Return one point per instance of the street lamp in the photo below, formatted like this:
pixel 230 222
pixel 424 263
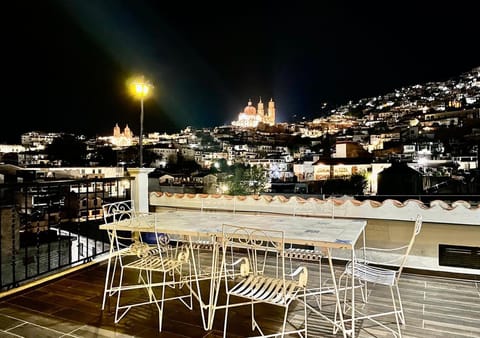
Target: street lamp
pixel 140 88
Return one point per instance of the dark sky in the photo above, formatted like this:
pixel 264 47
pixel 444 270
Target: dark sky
pixel 66 62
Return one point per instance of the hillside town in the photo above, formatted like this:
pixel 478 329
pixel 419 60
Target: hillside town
pixel 376 163
pixel 420 139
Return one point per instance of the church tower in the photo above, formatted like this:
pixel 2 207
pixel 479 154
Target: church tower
pixel 260 109
pixel 116 131
pixel 127 132
pixel 271 113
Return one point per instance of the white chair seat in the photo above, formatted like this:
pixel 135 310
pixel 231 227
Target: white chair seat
pixel 372 274
pixel 266 289
pixel 154 263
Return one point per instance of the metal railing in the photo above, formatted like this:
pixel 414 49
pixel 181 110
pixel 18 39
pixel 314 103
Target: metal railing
pixel 49 226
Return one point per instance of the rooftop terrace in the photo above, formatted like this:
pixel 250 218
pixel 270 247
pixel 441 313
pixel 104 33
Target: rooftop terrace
pixel 70 306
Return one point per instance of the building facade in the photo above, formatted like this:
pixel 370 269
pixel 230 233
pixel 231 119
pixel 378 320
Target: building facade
pixel 250 117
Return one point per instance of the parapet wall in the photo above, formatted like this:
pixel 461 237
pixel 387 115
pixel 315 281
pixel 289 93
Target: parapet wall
pixel 388 224
pixel 459 212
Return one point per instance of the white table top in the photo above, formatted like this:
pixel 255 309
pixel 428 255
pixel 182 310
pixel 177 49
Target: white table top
pixel 314 231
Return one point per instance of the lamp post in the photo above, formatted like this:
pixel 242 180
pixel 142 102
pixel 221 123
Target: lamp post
pixel 141 89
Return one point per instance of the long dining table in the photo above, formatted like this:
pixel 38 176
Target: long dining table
pixel 327 234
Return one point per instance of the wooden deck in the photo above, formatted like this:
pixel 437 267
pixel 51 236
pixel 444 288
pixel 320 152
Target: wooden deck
pixel 70 306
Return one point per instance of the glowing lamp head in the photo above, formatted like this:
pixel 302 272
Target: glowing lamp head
pixel 139 87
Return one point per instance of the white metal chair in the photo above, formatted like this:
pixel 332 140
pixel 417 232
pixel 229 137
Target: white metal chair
pixel 121 244
pixel 381 266
pixel 158 268
pixel 253 281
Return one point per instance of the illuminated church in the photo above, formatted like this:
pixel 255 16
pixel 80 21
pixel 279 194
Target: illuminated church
pixel 122 139
pixel 251 116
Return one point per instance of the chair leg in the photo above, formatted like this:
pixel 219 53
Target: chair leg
pixel 153 299
pixel 254 323
pixel 284 321
pixel 117 308
pixel 160 312
pixel 345 294
pixel 291 265
pixel 396 312
pixel 399 298
pixel 189 302
pixel 190 287
pixel 305 313
pixel 226 317
pixel 319 297
pixel 364 291
pixel 151 295
pixel 107 286
pixel 338 307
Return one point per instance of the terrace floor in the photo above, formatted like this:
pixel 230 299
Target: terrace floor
pixel 70 306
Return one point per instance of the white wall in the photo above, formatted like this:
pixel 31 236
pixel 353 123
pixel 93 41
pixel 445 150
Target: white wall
pixel 389 223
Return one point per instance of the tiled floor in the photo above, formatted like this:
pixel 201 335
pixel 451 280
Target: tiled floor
pixel 70 306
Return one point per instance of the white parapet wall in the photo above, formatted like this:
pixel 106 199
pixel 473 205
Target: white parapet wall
pixel 389 222
pixel 459 212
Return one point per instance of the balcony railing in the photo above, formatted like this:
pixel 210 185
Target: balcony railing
pixel 49 226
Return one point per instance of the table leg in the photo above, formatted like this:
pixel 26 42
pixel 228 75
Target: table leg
pixel 353 292
pixel 214 283
pixel 337 292
pixel 210 305
pixel 196 274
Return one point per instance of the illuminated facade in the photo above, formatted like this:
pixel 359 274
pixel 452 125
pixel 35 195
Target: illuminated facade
pixel 251 116
pixel 122 139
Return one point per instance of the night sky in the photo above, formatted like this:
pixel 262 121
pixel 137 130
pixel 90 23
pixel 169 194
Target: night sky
pixel 66 63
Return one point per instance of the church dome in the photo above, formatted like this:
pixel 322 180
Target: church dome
pixel 250 109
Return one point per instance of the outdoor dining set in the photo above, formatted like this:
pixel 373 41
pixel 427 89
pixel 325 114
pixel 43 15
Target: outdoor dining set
pixel 224 260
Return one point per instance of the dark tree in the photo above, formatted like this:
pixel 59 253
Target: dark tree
pixel 67 149
pixel 106 156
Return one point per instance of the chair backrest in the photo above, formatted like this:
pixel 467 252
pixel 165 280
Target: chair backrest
pixel 166 248
pixel 117 211
pixel 416 231
pixel 260 244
